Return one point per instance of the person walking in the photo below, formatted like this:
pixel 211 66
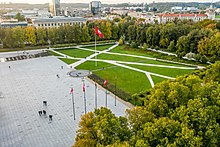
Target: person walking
pixel 44 112
pixel 40 113
pixel 50 117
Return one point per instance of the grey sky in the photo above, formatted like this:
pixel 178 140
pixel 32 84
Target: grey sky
pixel 103 1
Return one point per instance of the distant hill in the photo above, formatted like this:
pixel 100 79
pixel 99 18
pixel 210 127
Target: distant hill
pixel 165 6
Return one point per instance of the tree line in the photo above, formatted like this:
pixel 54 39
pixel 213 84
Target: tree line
pixel 180 112
pixel 201 39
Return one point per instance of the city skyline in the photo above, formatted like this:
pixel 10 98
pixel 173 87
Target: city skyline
pixel 102 1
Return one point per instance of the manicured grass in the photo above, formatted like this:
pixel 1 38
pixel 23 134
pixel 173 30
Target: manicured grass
pixel 68 61
pixel 134 59
pixel 121 49
pixel 77 53
pixel 125 79
pixel 53 53
pixel 157 79
pixel 90 65
pixel 217 16
pixel 100 47
pixel 164 71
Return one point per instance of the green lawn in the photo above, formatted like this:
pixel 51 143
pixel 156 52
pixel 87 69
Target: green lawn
pixel 100 47
pixel 77 53
pixel 127 80
pixel 120 49
pixel 53 53
pixel 217 16
pixel 134 59
pixel 157 79
pixel 68 61
pixel 90 65
pixel 164 71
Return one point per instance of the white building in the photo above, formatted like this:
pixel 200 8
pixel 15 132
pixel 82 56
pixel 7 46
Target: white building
pixel 120 11
pixel 57 22
pixel 163 18
pixel 176 9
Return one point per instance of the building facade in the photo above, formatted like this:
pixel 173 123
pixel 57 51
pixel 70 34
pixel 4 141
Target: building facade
pixel 95 7
pixel 56 22
pixel 13 24
pixel 54 7
pixel 163 18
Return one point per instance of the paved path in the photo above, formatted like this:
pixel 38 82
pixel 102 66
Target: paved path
pixel 22 90
pixel 121 63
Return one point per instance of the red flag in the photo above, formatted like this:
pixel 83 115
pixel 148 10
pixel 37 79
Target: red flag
pixel 105 82
pixel 84 88
pixel 71 90
pixel 98 32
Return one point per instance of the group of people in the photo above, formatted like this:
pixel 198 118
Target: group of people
pixel 44 111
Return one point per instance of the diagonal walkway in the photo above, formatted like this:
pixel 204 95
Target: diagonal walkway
pixel 121 63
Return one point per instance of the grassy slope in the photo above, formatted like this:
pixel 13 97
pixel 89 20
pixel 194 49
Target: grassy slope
pixel 100 48
pixel 68 61
pixel 127 80
pixel 53 53
pixel 77 53
pixel 157 79
pixel 164 71
pixel 134 59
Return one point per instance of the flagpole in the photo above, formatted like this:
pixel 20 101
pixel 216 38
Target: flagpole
pixel 95 95
pixel 95 51
pixel 74 115
pixel 84 94
pixel 106 97
pixel 115 90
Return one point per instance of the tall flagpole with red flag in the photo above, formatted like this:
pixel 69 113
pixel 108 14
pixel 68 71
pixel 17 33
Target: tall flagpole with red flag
pixel 99 33
pixel 84 93
pixel 106 93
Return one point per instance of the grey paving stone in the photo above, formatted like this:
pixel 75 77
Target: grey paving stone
pixel 23 89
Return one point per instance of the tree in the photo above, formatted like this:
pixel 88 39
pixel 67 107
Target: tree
pixel 106 29
pixel 85 34
pixel 172 47
pixel 115 30
pixel 41 36
pixel 19 17
pixel 18 35
pixel 30 35
pixel 52 35
pixel 69 33
pixel 77 32
pixel 8 41
pixel 101 127
pixel 182 46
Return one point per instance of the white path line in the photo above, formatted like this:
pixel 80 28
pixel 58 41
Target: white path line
pixel 139 70
pixel 91 56
pixel 150 79
pixel 156 65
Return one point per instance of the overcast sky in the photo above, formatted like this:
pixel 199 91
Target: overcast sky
pixel 103 1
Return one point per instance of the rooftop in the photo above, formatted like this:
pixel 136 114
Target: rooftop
pixel 60 19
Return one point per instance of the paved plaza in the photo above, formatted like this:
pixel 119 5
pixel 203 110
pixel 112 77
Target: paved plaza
pixel 25 86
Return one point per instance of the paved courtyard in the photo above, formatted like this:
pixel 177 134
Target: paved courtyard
pixel 25 86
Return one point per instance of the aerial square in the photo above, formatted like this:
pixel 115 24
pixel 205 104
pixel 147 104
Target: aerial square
pixel 109 73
